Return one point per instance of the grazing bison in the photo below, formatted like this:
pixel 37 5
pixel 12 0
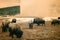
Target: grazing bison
pixel 14 29
pixel 39 21
pixel 54 22
pixel 5 25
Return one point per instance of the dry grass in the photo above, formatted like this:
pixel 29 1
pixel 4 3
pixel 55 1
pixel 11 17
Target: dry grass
pixel 47 32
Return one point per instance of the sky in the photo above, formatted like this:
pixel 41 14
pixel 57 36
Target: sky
pixel 40 8
pixel 8 3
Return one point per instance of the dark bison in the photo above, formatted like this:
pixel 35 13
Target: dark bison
pixel 58 17
pixel 30 25
pixel 14 29
pixel 5 25
pixel 39 21
pixel 54 22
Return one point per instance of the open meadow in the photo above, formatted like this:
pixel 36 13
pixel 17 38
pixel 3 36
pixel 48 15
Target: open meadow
pixel 47 32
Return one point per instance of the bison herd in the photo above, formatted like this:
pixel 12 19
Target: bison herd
pixel 14 29
pixel 40 21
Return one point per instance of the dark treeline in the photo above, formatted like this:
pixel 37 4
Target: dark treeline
pixel 10 10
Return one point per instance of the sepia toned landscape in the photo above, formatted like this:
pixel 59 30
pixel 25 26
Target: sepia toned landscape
pixel 25 11
pixel 40 8
pixel 47 32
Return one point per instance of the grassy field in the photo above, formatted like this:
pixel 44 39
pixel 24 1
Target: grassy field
pixel 47 32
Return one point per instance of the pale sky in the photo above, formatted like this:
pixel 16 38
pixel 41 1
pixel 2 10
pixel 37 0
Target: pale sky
pixel 40 8
pixel 7 3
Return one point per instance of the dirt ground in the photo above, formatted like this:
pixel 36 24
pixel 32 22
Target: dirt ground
pixel 47 32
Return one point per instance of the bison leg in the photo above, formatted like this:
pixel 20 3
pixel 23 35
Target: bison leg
pixel 19 34
pixel 31 26
pixel 43 24
pixel 4 29
pixel 53 23
pixel 38 24
pixel 11 34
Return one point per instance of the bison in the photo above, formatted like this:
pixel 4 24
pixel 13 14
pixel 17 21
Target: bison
pixel 55 21
pixel 5 25
pixel 39 21
pixel 30 25
pixel 58 17
pixel 14 29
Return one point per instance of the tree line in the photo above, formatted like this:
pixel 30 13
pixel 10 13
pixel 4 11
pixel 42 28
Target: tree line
pixel 10 10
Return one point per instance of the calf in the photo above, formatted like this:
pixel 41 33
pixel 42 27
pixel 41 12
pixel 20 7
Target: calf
pixel 30 25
